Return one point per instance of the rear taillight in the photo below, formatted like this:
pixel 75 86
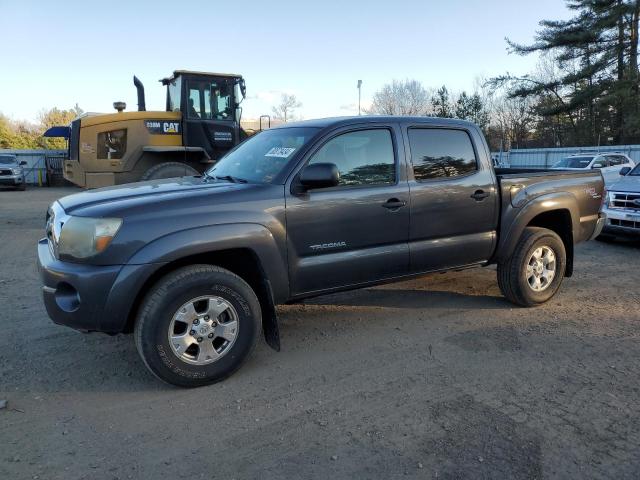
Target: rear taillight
pixel 605 199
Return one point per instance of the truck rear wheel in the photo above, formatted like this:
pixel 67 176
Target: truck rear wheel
pixel 533 274
pixel 169 170
pixel 197 325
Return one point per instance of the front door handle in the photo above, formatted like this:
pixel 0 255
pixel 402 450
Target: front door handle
pixel 394 204
pixel 479 195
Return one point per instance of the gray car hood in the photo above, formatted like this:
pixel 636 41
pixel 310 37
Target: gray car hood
pixel 102 201
pixel 629 183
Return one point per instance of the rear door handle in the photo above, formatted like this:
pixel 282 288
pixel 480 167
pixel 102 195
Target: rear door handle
pixel 479 195
pixel 394 204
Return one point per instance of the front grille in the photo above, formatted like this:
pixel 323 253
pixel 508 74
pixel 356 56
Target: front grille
pixel 624 223
pixel 6 172
pixel 625 200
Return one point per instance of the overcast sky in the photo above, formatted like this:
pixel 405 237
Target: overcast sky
pixel 85 52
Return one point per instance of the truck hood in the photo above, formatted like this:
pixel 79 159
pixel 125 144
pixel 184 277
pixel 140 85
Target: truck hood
pixel 629 183
pixel 152 191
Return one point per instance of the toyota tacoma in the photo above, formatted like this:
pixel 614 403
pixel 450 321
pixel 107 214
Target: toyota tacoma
pixel 194 266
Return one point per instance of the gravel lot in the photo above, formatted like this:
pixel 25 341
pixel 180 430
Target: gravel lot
pixel 433 378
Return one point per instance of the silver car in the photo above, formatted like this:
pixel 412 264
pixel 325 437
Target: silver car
pixel 11 171
pixel 622 204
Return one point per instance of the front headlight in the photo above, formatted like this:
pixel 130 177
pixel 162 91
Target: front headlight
pixel 16 171
pixel 84 237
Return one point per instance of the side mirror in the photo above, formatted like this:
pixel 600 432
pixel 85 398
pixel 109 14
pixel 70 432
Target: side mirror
pixel 320 175
pixel 625 170
pixel 597 165
pixel 23 162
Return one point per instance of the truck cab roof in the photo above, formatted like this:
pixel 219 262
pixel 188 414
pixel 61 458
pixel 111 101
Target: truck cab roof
pixel 350 120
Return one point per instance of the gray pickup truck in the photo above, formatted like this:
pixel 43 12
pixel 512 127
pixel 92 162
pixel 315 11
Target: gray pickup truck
pixel 194 266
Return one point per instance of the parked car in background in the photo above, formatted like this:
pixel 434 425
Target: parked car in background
pixel 622 204
pixel 608 163
pixel 11 171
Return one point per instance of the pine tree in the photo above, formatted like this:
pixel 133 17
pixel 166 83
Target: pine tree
pixel 597 52
pixel 441 103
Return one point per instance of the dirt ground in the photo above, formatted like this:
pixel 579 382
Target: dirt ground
pixel 433 378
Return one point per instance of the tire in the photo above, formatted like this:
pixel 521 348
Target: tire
pixel 22 187
pixel 162 314
pixel 517 283
pixel 169 170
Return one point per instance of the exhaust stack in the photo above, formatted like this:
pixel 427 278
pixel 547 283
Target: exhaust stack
pixel 140 88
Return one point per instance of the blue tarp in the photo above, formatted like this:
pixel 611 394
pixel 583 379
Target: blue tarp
pixel 57 132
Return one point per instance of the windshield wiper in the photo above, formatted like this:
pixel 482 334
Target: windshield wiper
pixel 228 178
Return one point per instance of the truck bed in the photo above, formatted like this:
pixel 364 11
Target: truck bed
pixel 519 186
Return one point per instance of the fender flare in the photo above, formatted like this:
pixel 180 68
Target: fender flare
pixel 519 218
pixel 274 285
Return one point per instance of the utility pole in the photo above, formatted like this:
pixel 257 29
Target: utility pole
pixel 359 94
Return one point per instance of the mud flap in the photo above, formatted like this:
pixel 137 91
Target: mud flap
pixel 269 317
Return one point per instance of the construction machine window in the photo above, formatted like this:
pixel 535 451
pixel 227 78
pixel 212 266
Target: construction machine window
pixel 211 100
pixel 173 95
pixel 112 144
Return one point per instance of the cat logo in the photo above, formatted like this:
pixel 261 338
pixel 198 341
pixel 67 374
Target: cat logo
pixel 170 127
pixel 162 127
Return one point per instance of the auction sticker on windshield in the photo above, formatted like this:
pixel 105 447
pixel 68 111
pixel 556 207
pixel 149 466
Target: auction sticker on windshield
pixel 282 152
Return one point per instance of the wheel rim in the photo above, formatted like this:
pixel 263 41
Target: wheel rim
pixel 203 330
pixel 541 268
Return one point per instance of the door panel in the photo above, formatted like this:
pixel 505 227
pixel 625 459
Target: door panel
pixel 453 201
pixel 215 137
pixel 350 234
pixel 346 237
pixel 209 120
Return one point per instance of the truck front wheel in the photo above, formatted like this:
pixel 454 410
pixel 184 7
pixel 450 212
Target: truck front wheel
pixel 197 325
pixel 533 274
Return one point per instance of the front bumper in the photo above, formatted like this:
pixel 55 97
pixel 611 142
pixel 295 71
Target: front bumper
pixel 90 297
pixel 12 179
pixel 622 222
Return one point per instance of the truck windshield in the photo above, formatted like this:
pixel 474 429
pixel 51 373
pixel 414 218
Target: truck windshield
pixel 574 162
pixel 262 157
pixel 636 171
pixel 6 160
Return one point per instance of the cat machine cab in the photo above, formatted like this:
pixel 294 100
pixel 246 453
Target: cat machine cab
pixel 200 123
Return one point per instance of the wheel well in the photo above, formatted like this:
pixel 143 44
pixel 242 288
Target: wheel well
pixel 559 221
pixel 241 261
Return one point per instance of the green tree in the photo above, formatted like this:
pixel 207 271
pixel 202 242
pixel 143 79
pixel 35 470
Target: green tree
pixel 441 103
pixel 596 52
pixel 472 108
pixel 23 135
pixel 53 118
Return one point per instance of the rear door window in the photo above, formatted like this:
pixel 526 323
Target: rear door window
pixel 439 153
pixel 616 160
